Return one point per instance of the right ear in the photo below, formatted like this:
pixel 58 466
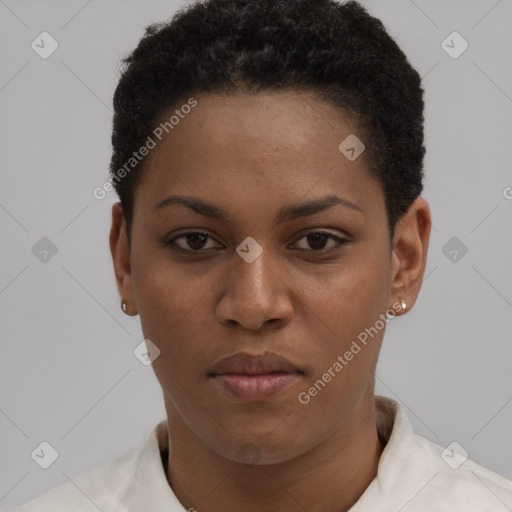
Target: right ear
pixel 121 258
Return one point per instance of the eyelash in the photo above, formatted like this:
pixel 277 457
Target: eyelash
pixel 171 243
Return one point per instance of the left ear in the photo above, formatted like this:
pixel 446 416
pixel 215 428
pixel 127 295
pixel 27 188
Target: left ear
pixel 410 246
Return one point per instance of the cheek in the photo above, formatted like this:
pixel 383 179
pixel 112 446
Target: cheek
pixel 346 355
pixel 166 301
pixel 170 315
pixel 351 296
pixel 347 313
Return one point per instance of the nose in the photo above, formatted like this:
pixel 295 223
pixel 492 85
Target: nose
pixel 255 294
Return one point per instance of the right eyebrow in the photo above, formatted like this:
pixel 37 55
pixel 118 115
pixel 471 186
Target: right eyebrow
pixel 197 205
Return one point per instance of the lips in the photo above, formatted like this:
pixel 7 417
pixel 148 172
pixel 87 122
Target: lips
pixel 244 363
pixel 251 378
pixel 256 388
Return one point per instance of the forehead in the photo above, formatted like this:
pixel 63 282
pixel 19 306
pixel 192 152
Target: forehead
pixel 229 148
pixel 277 121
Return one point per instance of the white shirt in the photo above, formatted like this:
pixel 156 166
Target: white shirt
pixel 413 476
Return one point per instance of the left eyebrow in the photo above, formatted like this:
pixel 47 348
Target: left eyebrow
pixel 285 214
pixel 314 206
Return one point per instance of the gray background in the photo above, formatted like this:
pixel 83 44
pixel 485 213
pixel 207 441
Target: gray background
pixel 67 372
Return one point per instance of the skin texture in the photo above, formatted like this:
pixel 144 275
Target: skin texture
pixel 251 155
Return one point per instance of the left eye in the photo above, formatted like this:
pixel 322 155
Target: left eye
pixel 317 239
pixel 196 240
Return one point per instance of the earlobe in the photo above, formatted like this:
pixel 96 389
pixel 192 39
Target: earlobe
pixel 121 259
pixel 410 248
pixel 126 309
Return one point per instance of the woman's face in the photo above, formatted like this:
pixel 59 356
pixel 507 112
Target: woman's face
pixel 303 297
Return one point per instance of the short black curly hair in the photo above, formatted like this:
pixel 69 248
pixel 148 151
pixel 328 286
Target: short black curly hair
pixel 339 51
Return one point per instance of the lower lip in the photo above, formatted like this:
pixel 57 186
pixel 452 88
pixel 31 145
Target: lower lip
pixel 256 387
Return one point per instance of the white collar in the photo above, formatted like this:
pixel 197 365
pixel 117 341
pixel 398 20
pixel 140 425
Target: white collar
pixel 407 464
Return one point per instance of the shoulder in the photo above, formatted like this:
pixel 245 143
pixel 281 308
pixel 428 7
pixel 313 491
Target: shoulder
pixel 461 484
pixel 92 490
pixel 417 475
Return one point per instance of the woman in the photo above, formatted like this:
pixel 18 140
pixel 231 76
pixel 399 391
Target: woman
pixel 268 157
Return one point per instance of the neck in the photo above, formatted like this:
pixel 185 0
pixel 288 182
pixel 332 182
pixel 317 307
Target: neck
pixel 341 467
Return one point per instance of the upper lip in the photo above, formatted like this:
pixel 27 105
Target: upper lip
pixel 242 362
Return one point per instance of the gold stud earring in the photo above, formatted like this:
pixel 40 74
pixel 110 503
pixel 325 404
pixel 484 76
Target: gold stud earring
pixel 124 306
pixel 402 303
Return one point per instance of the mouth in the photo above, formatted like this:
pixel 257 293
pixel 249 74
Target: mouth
pixel 256 387
pixel 255 377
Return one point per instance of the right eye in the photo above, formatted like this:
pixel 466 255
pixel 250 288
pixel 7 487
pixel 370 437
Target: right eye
pixel 192 242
